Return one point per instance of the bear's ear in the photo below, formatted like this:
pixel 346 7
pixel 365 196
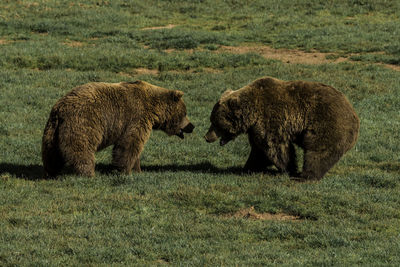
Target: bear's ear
pixel 176 95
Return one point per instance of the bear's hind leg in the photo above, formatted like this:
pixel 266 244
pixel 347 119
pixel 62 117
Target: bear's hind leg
pixel 317 164
pixel 78 155
pixel 82 163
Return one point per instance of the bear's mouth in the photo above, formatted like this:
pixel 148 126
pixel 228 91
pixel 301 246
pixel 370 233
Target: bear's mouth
pixel 223 141
pixel 180 134
pixel 187 129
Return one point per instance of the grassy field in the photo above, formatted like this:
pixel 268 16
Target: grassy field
pixel 191 205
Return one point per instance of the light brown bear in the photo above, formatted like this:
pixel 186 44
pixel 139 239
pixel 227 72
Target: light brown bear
pixel 277 114
pixel 96 115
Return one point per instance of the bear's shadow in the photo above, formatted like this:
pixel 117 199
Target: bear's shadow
pixel 27 172
pixel 203 167
pixel 36 172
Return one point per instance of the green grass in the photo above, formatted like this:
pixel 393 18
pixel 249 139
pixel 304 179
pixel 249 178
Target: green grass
pixel 179 209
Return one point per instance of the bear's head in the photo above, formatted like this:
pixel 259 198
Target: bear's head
pixel 225 123
pixel 176 120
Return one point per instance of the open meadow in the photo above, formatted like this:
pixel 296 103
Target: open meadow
pixel 191 205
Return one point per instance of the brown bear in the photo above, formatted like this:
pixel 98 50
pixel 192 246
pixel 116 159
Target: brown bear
pixel 96 115
pixel 277 114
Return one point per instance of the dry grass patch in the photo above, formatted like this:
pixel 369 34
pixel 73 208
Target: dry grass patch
pixel 188 51
pixel 139 71
pixel 294 56
pixel 250 213
pixel 144 71
pixel 169 26
pixel 212 70
pixel 390 66
pixel 73 44
pixel 3 42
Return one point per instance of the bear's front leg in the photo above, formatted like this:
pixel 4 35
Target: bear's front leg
pixel 284 158
pixel 136 166
pixel 124 158
pixel 126 152
pixel 317 163
pixel 257 161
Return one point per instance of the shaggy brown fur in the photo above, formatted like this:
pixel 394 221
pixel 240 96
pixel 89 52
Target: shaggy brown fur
pixel 96 115
pixel 277 114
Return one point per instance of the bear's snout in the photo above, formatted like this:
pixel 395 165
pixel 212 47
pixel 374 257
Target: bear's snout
pixel 185 127
pixel 211 135
pixel 188 128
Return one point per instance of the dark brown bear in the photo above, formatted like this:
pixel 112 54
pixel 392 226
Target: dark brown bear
pixel 277 114
pixel 96 115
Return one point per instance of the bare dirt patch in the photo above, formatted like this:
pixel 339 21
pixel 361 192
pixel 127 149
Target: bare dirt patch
pixel 250 213
pixel 169 26
pixel 285 55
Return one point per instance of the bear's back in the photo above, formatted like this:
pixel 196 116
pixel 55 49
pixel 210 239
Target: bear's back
pixel 95 91
pixel 304 93
pixel 312 101
pixel 95 95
